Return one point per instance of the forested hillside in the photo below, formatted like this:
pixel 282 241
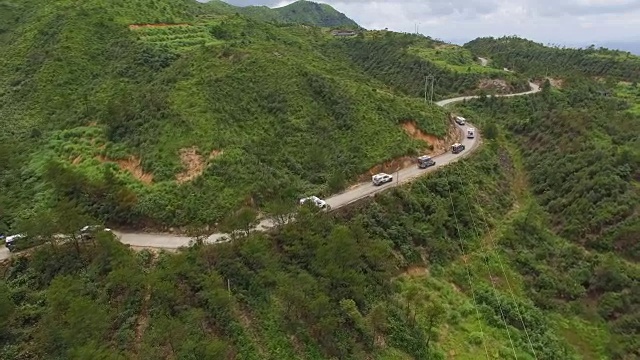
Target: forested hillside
pixel 165 113
pixel 301 12
pixel 526 56
pixel 472 261
pixel 349 286
pixel 579 255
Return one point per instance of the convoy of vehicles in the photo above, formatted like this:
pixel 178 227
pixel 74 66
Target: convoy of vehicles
pixel 381 178
pixel 86 233
pixel 425 161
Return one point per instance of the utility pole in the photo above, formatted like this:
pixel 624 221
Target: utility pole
pixel 426 83
pixel 433 80
pixel 229 286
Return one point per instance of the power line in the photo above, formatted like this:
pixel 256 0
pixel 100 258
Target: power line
pixel 464 256
pixel 495 291
pixel 506 278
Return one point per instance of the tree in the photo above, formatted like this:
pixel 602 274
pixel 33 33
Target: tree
pixel 42 225
pixel 198 233
pixel 414 295
pixel 434 314
pixel 491 131
pixel 69 220
pixel 6 307
pixel 377 319
pixel 244 220
pixel 281 211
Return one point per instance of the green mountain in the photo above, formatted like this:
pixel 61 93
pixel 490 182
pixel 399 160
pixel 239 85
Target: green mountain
pixel 302 12
pixel 130 107
pixel 166 112
pixel 526 249
pixel 529 57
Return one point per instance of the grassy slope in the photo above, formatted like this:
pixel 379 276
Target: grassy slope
pixel 79 87
pixel 565 253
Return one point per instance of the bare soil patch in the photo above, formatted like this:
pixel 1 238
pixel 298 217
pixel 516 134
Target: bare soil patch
pixel 497 85
pixel 193 164
pixel 388 167
pixel 158 25
pixel 415 271
pixel 132 165
pixel 437 145
pixel 557 83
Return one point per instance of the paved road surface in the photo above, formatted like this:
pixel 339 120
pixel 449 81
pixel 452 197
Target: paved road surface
pixel 169 241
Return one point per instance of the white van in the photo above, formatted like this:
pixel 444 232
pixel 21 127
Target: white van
pixel 471 133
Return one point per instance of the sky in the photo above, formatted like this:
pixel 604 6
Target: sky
pixel 561 22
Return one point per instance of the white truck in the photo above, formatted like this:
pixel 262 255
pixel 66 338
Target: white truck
pixel 315 201
pixel 471 133
pixel 381 178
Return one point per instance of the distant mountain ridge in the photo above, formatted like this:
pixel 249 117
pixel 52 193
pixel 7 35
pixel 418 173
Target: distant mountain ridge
pixel 300 12
pixel 630 46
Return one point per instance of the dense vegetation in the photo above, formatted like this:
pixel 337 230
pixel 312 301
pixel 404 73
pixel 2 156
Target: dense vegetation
pixel 404 60
pixel 316 288
pixel 579 256
pixel 528 57
pixel 195 119
pixel 467 260
pixel 526 250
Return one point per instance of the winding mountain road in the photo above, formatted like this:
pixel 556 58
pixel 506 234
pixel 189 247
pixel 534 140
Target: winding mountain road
pixel 360 191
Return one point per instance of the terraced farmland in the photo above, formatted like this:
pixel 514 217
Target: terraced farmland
pixel 177 37
pixel 452 57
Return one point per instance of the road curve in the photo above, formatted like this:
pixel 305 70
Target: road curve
pixel 362 190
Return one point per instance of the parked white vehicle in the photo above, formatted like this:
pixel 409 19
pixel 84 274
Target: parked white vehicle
pixel 10 240
pixel 88 232
pixel 460 120
pixel 316 201
pixel 381 178
pixel 471 133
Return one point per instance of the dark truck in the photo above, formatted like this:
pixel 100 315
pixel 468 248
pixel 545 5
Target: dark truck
pixel 457 148
pixel 425 161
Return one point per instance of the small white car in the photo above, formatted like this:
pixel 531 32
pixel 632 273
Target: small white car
pixel 89 231
pixel 471 133
pixel 316 201
pixel 10 240
pixel 381 178
pixel 460 120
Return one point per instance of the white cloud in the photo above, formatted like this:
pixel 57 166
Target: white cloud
pixel 547 21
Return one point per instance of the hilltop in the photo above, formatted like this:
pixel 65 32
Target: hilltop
pixel 301 12
pixel 139 105
pixel 529 57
